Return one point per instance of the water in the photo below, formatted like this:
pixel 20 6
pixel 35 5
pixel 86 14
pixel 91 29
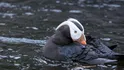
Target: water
pixel 26 25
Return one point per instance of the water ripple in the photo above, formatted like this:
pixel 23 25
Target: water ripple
pixel 22 40
pixel 7 5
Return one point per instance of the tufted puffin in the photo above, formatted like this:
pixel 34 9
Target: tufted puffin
pixel 69 43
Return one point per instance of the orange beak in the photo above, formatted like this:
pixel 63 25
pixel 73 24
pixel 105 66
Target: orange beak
pixel 83 40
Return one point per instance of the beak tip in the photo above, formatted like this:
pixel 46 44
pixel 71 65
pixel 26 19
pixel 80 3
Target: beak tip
pixel 83 42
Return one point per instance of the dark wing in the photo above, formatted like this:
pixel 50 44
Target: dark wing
pixel 102 48
pixel 89 53
pixel 84 54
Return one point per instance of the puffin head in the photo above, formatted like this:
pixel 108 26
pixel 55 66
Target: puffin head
pixel 76 30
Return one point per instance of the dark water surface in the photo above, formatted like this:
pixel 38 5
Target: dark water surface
pixel 24 22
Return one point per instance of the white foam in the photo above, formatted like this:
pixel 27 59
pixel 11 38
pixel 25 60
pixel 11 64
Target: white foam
pixel 16 64
pixel 75 11
pixel 106 39
pixel 6 5
pixel 4 15
pixel 28 13
pixel 17 57
pixel 2 24
pixel 22 40
pixel 26 7
pixel 3 56
pixel 101 6
pixel 56 10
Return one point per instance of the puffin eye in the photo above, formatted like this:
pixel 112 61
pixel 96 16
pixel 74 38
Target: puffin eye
pixel 75 31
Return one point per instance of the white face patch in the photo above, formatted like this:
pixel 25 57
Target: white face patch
pixel 74 20
pixel 75 32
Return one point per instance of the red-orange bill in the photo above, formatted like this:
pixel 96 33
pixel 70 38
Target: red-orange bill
pixel 83 42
